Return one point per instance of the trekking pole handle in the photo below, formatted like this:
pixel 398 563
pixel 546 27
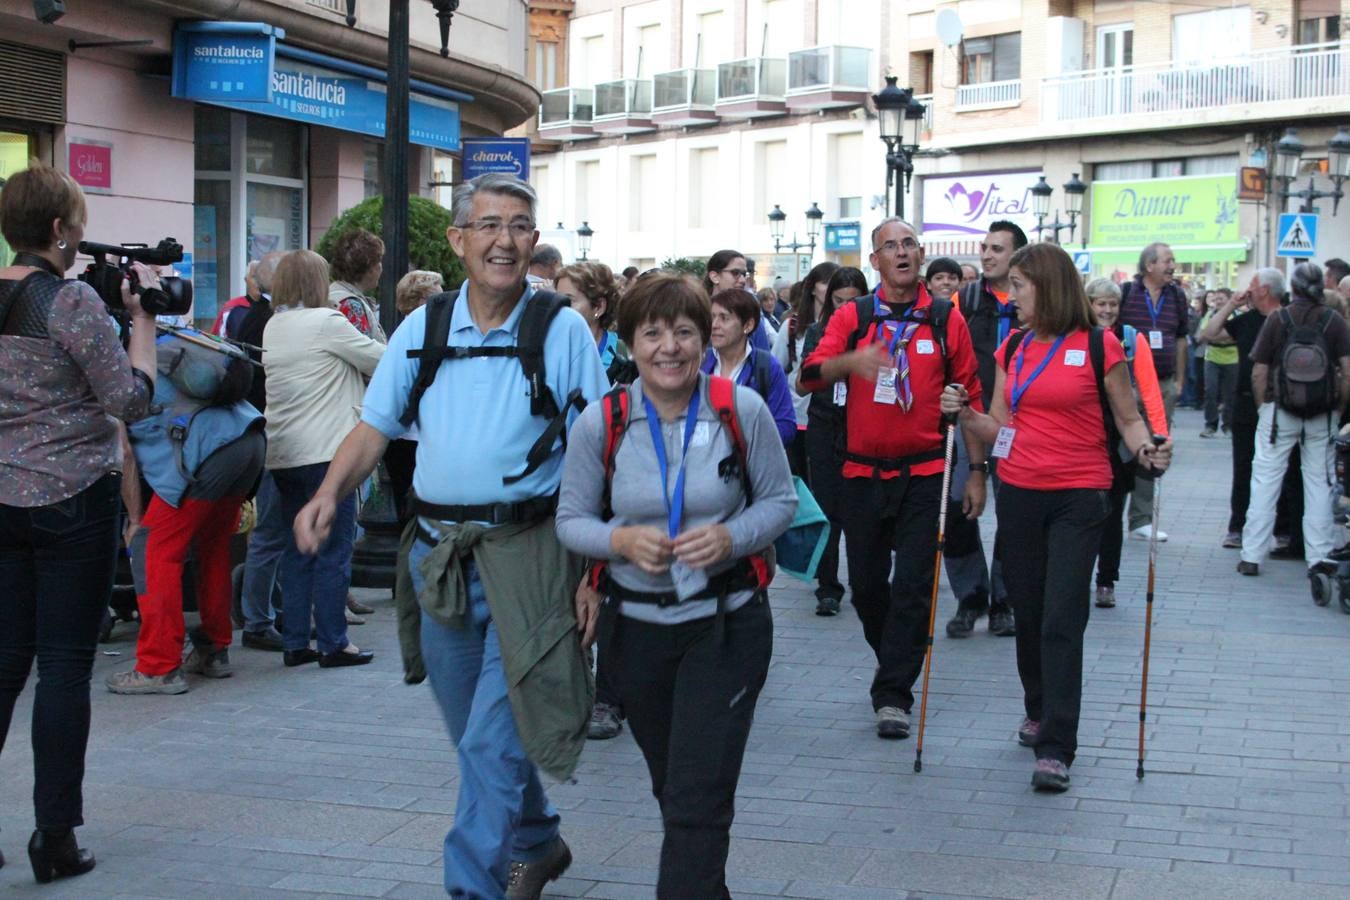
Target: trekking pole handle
pixel 950 418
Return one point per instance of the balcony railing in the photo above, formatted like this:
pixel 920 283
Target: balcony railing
pixel 626 97
pixel 989 93
pixel 1305 72
pixel 565 106
pixel 683 88
pixel 829 68
pixel 755 78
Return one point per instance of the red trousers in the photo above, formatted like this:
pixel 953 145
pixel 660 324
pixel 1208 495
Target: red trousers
pixel 205 528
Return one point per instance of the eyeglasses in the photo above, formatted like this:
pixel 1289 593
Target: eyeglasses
pixel 492 228
pixel 735 273
pixel 908 244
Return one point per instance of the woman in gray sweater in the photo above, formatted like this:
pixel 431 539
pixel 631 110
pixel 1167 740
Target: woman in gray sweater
pixel 686 631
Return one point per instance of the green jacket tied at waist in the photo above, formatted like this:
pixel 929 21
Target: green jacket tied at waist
pixel 530 581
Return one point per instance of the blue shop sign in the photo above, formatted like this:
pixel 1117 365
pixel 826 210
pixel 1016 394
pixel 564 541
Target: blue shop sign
pixel 843 237
pixel 484 155
pixel 234 62
pixel 304 89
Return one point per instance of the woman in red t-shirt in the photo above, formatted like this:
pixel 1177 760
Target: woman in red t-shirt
pixel 1046 428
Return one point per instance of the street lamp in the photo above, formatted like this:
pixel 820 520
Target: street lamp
pixel 1289 155
pixel 895 106
pixel 584 234
pixel 777 218
pixel 1041 193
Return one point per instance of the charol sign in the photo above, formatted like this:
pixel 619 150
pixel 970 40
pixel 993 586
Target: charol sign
pixel 963 206
pixel 506 155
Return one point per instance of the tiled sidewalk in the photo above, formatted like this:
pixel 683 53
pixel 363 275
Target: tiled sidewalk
pixel 290 783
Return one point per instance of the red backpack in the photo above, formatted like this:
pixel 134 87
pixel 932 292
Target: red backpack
pixel 722 396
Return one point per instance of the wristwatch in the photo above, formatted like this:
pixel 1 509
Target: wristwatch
pixel 978 467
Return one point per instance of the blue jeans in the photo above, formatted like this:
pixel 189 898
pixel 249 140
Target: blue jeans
pixel 314 586
pixel 502 813
pixel 265 546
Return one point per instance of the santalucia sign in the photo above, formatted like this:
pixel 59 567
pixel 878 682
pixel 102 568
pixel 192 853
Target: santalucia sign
pixel 1198 209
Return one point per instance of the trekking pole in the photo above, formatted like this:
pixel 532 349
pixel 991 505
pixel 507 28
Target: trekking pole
pixel 950 422
pixel 1158 440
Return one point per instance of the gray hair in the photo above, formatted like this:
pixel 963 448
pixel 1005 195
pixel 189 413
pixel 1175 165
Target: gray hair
pixel 1101 287
pixel 1306 282
pixel 1272 280
pixel 461 198
pixel 267 270
pixel 891 220
pixel 1149 255
pixel 546 255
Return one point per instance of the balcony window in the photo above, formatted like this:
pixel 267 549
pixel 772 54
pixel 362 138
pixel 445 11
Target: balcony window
pixel 566 105
pixel 626 97
pixel 994 58
pixel 746 79
pixel 685 87
pixel 1319 21
pixel 829 67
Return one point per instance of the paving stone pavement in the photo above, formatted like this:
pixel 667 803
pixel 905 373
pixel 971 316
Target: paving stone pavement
pixel 304 782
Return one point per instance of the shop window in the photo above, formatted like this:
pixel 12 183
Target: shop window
pixel 994 58
pixel 372 169
pixel 1168 168
pixel 15 151
pixel 1218 164
pixel 274 147
pixel 211 127
pixel 1123 171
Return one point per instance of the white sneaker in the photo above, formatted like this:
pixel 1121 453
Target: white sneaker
pixel 1144 532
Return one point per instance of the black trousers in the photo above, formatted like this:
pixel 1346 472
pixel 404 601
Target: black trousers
pixel 1113 531
pixel 690 701
pixel 1288 509
pixel 825 480
pixel 56 565
pixel 1049 594
pixel 881 517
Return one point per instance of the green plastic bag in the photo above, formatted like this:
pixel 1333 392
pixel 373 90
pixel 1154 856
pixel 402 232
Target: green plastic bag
pixel 800 547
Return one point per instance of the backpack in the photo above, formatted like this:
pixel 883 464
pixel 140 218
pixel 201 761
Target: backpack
pixel 542 308
pixel 938 314
pixel 251 338
pixel 202 368
pixel 722 397
pixel 1306 382
pixel 1096 353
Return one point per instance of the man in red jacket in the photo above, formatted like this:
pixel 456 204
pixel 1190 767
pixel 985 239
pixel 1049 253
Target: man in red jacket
pixel 888 377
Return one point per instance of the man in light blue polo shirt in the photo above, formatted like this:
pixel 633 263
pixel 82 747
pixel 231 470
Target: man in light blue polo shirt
pixel 475 428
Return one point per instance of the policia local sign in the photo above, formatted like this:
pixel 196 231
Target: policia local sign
pixel 241 65
pixel 1196 215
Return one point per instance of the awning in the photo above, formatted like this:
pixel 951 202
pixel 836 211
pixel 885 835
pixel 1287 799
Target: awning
pixel 1192 253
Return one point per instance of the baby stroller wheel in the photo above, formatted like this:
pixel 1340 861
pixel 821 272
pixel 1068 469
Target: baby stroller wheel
pixel 1343 594
pixel 1323 587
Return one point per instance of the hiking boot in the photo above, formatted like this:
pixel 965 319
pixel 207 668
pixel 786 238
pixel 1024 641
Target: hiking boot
pixel 1209 432
pixel 963 623
pixel 1106 596
pixel 1001 621
pixel 605 723
pixel 267 639
pixel 210 663
pixel 134 682
pixel 892 723
pixel 1050 775
pixel 1232 541
pixel 527 879
pixel 1028 732
pixel 827 606
pixel 1248 568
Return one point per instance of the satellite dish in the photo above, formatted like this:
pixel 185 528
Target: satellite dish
pixel 949 28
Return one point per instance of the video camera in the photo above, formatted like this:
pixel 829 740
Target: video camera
pixel 112 264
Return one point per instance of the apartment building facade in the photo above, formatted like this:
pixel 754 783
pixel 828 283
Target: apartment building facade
pixel 242 126
pixel 674 126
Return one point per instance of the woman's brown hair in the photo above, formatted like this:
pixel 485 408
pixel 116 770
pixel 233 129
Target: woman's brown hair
pixel 1061 305
pixel 665 297
pixel 596 281
pixel 355 253
pixel 301 280
pixel 34 198
pixel 741 304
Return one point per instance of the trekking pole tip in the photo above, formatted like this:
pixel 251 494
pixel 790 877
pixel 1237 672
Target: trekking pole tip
pixel 1139 772
pixel 918 765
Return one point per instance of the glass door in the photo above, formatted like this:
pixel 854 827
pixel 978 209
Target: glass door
pixel 1115 62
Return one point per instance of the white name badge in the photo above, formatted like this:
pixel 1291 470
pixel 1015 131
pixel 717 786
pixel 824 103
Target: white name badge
pixel 1074 357
pixel 688 580
pixel 1003 443
pixel 885 392
pixel 1155 340
pixel 923 348
pixel 841 393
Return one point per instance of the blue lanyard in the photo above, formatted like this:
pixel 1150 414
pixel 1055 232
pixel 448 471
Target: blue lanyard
pixel 1152 309
pixel 604 342
pixel 1019 387
pixel 1006 311
pixel 675 504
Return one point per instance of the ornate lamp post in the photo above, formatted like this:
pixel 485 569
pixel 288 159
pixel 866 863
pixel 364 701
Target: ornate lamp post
pixel 584 235
pixel 895 106
pixel 777 218
pixel 1074 189
pixel 1288 156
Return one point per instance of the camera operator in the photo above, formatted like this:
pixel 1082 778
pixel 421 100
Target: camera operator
pixel 63 378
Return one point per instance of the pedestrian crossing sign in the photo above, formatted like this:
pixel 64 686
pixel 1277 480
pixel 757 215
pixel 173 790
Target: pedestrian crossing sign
pixel 1297 235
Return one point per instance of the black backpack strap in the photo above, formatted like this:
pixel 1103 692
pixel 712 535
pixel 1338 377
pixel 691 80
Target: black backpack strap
pixel 969 297
pixel 1014 340
pixel 761 371
pixel 1097 353
pixel 866 308
pixel 556 429
pixel 435 342
pixel 939 312
pixel 543 308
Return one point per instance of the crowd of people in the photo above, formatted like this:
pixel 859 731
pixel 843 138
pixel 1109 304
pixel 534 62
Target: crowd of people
pixel 580 456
